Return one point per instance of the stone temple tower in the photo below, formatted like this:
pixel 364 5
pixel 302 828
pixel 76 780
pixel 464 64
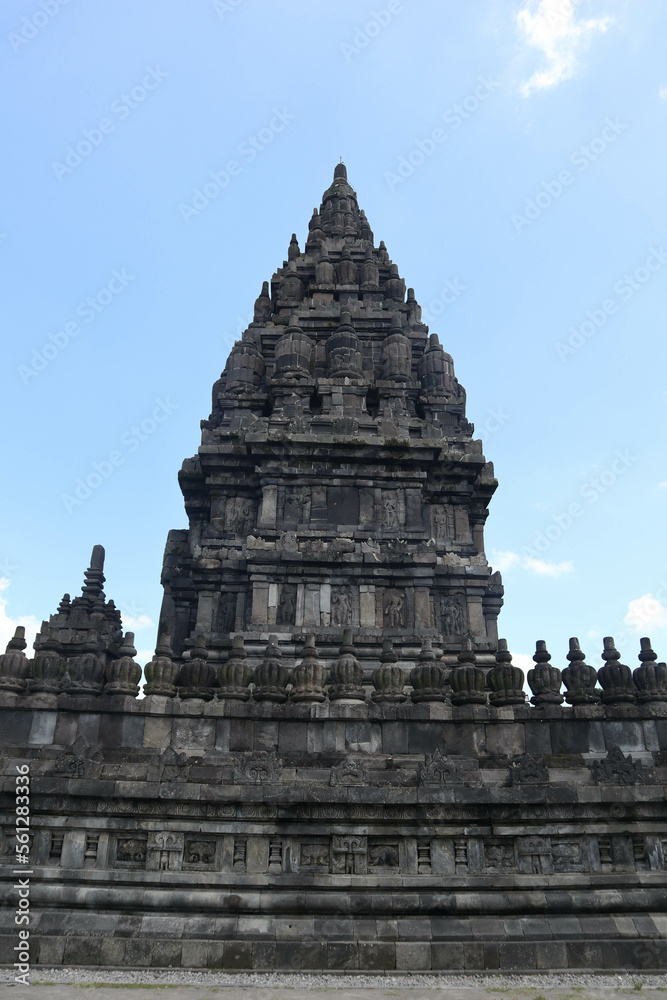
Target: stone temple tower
pixel 338 483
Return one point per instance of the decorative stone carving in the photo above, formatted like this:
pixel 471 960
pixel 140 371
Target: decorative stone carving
pixel 580 678
pixel 390 509
pixel 383 856
pixel 349 772
pixel 164 851
pixel 499 855
pixel 263 306
pixel 615 677
pixel 544 680
pixel 389 678
pixel 258 768
pixel 344 350
pixel 345 675
pixel 314 856
pixel 131 851
pixel 427 677
pixel 196 678
pixel 344 427
pixel 271 677
pixel 440 770
pixel 239 515
pixel 467 680
pixel 308 675
pixel 505 680
pixel 123 674
pixel 396 354
pixel 161 672
pixel 79 761
pixel 199 854
pixel 442 520
pixel 534 855
pixel 294 351
pixel 529 770
pixel 234 676
pixel 617 769
pixel 349 854
pixel 650 678
pixel 173 765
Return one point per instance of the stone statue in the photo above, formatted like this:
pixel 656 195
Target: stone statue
pixel 393 609
pixel 341 607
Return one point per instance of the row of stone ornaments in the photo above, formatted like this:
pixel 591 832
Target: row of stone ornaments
pixel 466 684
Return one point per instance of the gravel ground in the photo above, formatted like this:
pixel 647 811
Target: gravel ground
pixel 79 984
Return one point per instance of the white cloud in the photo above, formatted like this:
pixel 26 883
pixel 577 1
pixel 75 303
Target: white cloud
pixel 662 92
pixel 144 656
pixel 135 624
pixel 8 625
pixel 507 560
pixel 524 661
pixel 551 27
pixel 662 486
pixel 646 612
pixel 593 634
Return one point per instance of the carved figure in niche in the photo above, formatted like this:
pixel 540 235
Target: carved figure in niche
pixel 287 607
pixel 341 606
pixel 200 852
pixel 227 613
pixel 451 616
pixel 393 609
pixel 390 510
pixel 301 501
pixel 443 523
pixel 131 851
pixel 239 513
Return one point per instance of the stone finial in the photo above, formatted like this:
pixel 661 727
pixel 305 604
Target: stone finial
pixel 263 306
pixel 271 677
pixel 505 679
pixel 84 674
pixel 65 605
pixel 340 172
pixel 347 269
pixel 365 231
pixel 161 672
pixel 14 664
pixel 615 677
pixel 345 675
pixel 544 680
pixel 197 678
pixel 427 676
pixel 235 675
pixel 47 670
pixel 580 678
pixel 308 675
pixel 383 256
pixel 123 674
pixel 293 251
pixel 650 677
pixel 94 577
pixel 467 680
pixel 325 274
pixel 388 678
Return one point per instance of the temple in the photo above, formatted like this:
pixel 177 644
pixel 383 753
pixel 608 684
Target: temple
pixel 331 761
pixel 338 483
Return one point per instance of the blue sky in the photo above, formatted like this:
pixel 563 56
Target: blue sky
pixel 510 154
